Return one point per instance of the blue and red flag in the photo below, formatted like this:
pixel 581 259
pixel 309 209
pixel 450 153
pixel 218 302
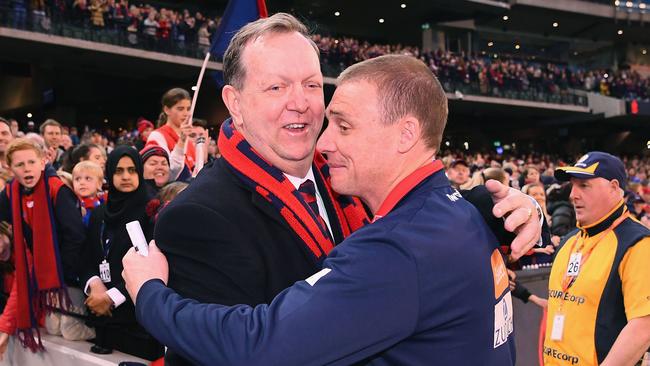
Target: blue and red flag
pixel 238 13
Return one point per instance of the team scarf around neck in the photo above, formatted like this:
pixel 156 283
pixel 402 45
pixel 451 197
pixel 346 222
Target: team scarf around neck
pixel 275 187
pixel 40 285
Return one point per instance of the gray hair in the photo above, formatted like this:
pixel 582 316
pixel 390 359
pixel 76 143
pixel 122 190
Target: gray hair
pixel 233 69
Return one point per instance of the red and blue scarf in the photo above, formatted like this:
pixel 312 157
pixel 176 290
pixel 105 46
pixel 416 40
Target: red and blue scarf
pixel 39 275
pixel 90 203
pixel 275 187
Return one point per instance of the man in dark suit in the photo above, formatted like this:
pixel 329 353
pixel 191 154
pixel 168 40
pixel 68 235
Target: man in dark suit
pixel 264 216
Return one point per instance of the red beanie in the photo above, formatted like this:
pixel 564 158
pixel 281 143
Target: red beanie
pixel 143 124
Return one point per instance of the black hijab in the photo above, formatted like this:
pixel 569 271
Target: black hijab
pixel 124 207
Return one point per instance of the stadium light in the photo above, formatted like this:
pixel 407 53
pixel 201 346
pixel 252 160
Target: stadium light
pixel 642 6
pixel 575 53
pixel 194 88
pixel 466 145
pixel 555 24
pixel 517 46
pixel 447 143
pixel 505 17
pixel 495 55
pixel 617 3
pixel 629 4
pixel 606 76
pixel 644 51
pixel 490 44
pixel 381 20
pixel 337 13
pixel 620 32
pixel 105 120
pixel 29 115
pixel 403 6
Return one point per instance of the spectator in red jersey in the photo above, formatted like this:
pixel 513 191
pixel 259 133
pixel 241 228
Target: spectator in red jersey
pixel 172 134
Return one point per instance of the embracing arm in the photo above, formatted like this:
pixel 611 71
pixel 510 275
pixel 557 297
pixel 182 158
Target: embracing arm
pixel 508 211
pixel 360 304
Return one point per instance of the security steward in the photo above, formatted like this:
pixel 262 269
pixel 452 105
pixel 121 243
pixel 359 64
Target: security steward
pixel 599 289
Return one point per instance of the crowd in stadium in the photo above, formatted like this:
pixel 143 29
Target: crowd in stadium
pixel 165 29
pixel 154 26
pixel 487 73
pixel 533 174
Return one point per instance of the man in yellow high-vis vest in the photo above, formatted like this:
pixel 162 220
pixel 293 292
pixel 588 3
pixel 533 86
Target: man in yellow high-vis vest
pixel 599 289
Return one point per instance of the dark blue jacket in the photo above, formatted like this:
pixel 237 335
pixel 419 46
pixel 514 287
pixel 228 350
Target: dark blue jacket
pixel 414 288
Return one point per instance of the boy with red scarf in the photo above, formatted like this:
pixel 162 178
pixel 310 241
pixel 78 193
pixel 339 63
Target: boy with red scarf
pixel 87 178
pixel 46 220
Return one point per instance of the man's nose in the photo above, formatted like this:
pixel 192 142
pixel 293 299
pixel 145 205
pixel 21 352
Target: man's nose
pixel 298 100
pixel 325 142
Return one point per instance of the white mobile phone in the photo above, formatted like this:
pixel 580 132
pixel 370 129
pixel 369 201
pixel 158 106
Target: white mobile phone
pixel 137 238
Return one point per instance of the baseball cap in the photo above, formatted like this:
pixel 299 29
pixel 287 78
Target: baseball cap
pixel 595 164
pixel 635 198
pixel 459 162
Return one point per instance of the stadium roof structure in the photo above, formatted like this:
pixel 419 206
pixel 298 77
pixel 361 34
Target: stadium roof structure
pixel 402 20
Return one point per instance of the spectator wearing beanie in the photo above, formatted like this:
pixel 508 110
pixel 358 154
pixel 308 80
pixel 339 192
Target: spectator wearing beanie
pixel 156 167
pixel 144 129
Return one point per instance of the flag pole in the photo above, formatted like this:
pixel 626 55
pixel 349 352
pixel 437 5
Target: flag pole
pixel 198 84
pixel 199 159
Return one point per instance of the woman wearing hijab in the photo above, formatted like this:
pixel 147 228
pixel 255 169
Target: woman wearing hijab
pixel 113 313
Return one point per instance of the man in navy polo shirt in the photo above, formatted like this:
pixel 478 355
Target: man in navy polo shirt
pixel 423 284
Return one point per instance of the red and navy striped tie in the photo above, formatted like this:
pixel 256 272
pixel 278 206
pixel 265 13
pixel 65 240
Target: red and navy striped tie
pixel 308 191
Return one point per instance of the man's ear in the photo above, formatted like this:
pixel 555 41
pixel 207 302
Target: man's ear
pixel 410 132
pixel 230 97
pixel 616 186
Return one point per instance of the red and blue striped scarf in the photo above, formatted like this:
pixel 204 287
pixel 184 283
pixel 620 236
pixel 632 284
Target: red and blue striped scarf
pixel 39 275
pixel 275 187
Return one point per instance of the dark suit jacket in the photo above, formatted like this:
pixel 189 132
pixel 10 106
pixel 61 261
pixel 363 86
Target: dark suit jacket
pixel 228 245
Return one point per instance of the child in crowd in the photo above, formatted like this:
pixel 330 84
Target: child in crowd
pixel 42 211
pixel 87 179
